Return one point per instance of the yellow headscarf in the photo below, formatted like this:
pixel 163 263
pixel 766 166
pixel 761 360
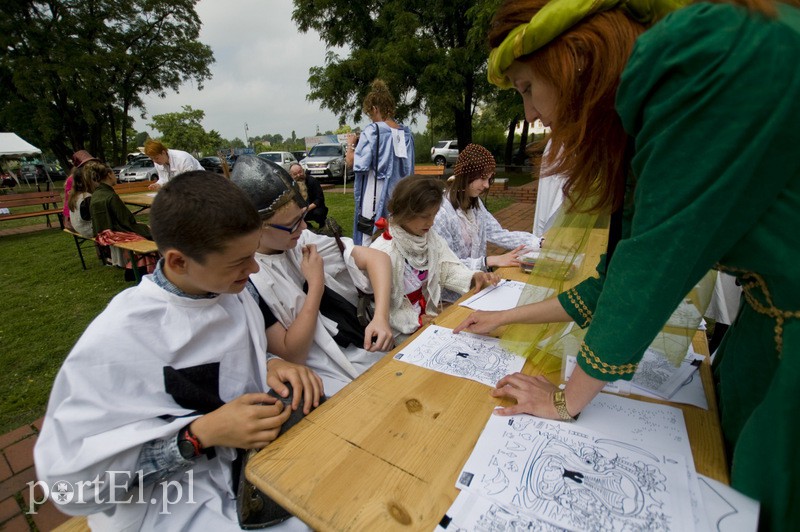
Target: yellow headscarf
pixel 557 17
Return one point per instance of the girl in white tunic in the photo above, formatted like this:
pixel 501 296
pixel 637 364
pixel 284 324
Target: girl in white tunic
pixel 466 225
pixel 290 257
pixel 422 264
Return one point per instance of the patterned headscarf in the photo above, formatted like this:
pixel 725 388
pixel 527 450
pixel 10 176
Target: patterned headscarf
pixel 474 162
pixel 557 17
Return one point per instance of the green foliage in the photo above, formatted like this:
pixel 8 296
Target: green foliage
pixel 183 130
pixel 71 71
pixel 431 54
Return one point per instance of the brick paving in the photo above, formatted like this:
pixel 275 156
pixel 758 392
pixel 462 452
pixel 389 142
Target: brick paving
pixel 16 447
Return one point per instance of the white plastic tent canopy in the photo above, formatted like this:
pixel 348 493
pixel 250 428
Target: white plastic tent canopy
pixel 11 145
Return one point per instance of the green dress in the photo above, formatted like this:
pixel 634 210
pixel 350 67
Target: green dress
pixel 711 97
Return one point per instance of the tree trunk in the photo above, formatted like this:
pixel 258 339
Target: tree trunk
pixel 512 126
pixel 112 126
pixel 523 142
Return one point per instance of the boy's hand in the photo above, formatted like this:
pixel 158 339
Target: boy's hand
pixel 481 279
pixel 378 335
pixel 312 266
pixel 250 421
pixel 305 383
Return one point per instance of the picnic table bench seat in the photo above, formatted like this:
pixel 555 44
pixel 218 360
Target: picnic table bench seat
pixel 135 250
pixel 48 203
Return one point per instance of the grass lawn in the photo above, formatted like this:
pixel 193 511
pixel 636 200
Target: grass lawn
pixel 49 300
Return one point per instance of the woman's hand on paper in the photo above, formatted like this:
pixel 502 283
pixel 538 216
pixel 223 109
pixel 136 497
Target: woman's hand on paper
pixel 534 395
pixel 481 322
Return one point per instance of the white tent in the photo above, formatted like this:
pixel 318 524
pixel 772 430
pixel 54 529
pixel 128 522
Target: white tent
pixel 13 147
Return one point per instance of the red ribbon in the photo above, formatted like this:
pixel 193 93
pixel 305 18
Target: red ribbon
pixel 383 224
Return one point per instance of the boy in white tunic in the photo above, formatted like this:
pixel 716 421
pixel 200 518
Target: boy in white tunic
pixel 316 324
pixel 149 409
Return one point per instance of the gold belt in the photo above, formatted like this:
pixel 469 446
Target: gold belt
pixel 752 285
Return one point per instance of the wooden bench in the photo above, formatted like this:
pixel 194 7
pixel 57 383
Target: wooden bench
pixel 135 250
pixel 46 201
pixel 436 171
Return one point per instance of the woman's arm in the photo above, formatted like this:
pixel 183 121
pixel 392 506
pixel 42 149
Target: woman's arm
pixel 484 322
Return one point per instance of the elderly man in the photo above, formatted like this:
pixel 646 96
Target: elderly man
pixel 312 193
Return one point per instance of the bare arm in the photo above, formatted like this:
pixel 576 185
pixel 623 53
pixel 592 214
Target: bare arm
pixel 484 322
pixel 293 343
pixel 378 334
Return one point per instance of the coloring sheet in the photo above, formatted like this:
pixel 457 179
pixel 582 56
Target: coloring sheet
pixel 656 375
pixel 577 478
pixel 472 513
pixel 502 296
pixel 620 386
pixel 474 357
pixel 727 510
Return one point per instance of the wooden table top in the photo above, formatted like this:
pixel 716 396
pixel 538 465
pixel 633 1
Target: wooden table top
pixel 384 453
pixel 141 199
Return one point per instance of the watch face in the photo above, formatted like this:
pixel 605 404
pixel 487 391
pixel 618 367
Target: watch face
pixel 186 449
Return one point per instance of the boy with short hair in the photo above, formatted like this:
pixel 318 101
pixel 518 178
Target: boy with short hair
pixel 170 379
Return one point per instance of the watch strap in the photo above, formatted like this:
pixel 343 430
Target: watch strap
pixel 186 434
pixel 560 402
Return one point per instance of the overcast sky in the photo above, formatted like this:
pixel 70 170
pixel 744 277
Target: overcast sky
pixel 260 73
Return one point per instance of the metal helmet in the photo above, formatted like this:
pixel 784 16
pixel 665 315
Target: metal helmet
pixel 267 184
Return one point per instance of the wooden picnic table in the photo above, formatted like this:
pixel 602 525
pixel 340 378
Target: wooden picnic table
pixel 140 199
pixel 384 452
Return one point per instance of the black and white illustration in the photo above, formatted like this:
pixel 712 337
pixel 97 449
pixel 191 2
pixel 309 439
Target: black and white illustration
pixel 479 358
pixel 577 478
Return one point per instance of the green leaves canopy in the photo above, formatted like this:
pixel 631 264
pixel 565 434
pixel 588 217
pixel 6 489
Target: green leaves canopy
pixel 72 69
pixel 431 53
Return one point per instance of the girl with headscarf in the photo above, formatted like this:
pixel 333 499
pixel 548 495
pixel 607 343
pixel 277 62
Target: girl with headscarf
pixel 466 225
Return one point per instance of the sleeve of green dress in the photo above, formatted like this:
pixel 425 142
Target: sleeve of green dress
pixel 708 150
pixel 580 301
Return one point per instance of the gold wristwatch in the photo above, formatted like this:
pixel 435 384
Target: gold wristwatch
pixel 560 402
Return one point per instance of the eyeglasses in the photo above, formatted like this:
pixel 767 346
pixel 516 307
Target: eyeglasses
pixel 294 226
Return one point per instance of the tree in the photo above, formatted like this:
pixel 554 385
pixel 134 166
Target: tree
pixel 431 54
pixel 70 71
pixel 182 130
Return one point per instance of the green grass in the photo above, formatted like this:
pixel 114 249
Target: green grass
pixel 48 301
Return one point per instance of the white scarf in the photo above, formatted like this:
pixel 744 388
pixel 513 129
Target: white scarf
pixel 422 253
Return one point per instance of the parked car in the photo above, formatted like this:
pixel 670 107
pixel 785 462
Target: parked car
pixel 326 161
pixel 212 164
pixel 444 152
pixel 300 155
pixel 140 170
pixel 283 158
pixel 29 171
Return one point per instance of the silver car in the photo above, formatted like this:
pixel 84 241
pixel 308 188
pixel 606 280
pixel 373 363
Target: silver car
pixel 141 170
pixel 325 161
pixel 444 152
pixel 283 158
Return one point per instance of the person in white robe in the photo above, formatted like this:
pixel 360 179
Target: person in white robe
pixel 180 358
pixel 289 257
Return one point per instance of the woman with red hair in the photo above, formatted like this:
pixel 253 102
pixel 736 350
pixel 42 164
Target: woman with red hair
pixel 686 130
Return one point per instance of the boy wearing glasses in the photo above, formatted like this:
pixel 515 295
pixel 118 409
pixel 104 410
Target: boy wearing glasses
pixel 311 286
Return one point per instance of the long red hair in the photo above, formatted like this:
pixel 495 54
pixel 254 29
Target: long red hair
pixel 583 65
